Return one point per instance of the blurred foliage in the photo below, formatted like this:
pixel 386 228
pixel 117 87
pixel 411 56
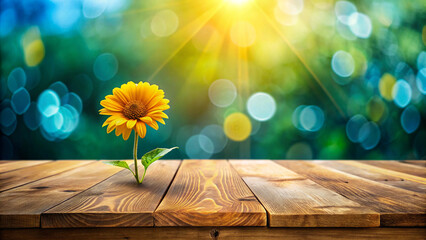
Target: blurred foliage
pixel 316 79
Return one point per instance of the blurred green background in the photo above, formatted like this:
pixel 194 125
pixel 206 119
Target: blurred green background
pixel 246 78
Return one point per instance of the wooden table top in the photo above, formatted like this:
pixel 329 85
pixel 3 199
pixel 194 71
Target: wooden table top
pixel 213 193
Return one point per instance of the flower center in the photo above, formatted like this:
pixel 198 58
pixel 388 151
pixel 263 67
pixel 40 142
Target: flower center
pixel 134 110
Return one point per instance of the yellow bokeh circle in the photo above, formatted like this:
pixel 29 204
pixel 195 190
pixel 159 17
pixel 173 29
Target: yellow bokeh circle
pixel 237 127
pixel 34 53
pixel 386 85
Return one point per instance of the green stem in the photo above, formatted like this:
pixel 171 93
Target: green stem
pixel 135 157
pixel 144 172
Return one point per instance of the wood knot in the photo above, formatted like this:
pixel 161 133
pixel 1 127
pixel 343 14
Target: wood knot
pixel 214 233
pixel 250 198
pixel 41 187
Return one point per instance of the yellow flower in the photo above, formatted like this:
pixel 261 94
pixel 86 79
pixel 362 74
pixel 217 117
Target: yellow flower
pixel 132 106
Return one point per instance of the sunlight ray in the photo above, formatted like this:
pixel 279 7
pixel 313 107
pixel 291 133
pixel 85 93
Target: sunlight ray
pixel 301 59
pixel 207 16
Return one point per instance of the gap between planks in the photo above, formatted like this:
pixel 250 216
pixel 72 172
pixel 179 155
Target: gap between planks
pixel 292 200
pixel 398 207
pixel 118 201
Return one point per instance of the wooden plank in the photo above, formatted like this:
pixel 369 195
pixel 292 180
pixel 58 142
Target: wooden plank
pixel 389 177
pixel 292 200
pixel 26 175
pixel 209 193
pixel 421 163
pixel 214 233
pixel 21 207
pixel 399 167
pixel 13 165
pixel 398 207
pixel 115 202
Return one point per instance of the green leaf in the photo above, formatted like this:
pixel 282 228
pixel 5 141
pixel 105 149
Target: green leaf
pixel 117 163
pixel 154 155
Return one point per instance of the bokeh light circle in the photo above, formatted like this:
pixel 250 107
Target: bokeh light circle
pixel 34 53
pixel 105 66
pixel 360 25
pixel 20 101
pixel 410 119
pixel 386 83
pixel 194 149
pixel 217 136
pixel 295 117
pixel 343 64
pixel 421 60
pixel 7 21
pixel 53 123
pixel 7 121
pixel 60 88
pixel 32 117
pixel 292 7
pixel 353 127
pixel 308 118
pixel 237 127
pixel 261 106
pixel 343 11
pixel 376 108
pixel 73 100
pixel 94 8
pixel 164 23
pixel 421 80
pixel 16 79
pixel 299 150
pixel 206 144
pixel 48 103
pixel 369 135
pixel 311 118
pixel 222 92
pixel 7 117
pixel 243 34
pixel 401 93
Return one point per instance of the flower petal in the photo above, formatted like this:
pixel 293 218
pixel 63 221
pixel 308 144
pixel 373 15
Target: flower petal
pixel 111 127
pixel 146 119
pixel 153 124
pixel 154 101
pixel 131 90
pixel 126 133
pixel 111 105
pixel 119 130
pixel 131 123
pixel 159 114
pixel 141 129
pixel 121 95
pixel 121 121
pixel 160 120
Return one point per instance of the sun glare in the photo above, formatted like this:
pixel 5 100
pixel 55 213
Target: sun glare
pixel 237 2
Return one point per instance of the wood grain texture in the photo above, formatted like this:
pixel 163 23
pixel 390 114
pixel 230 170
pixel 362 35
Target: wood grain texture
pixel 27 175
pixel 421 163
pixel 397 207
pixel 214 233
pixel 399 167
pixel 21 207
pixel 116 202
pixel 292 200
pixel 209 193
pixel 8 166
pixel 385 176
